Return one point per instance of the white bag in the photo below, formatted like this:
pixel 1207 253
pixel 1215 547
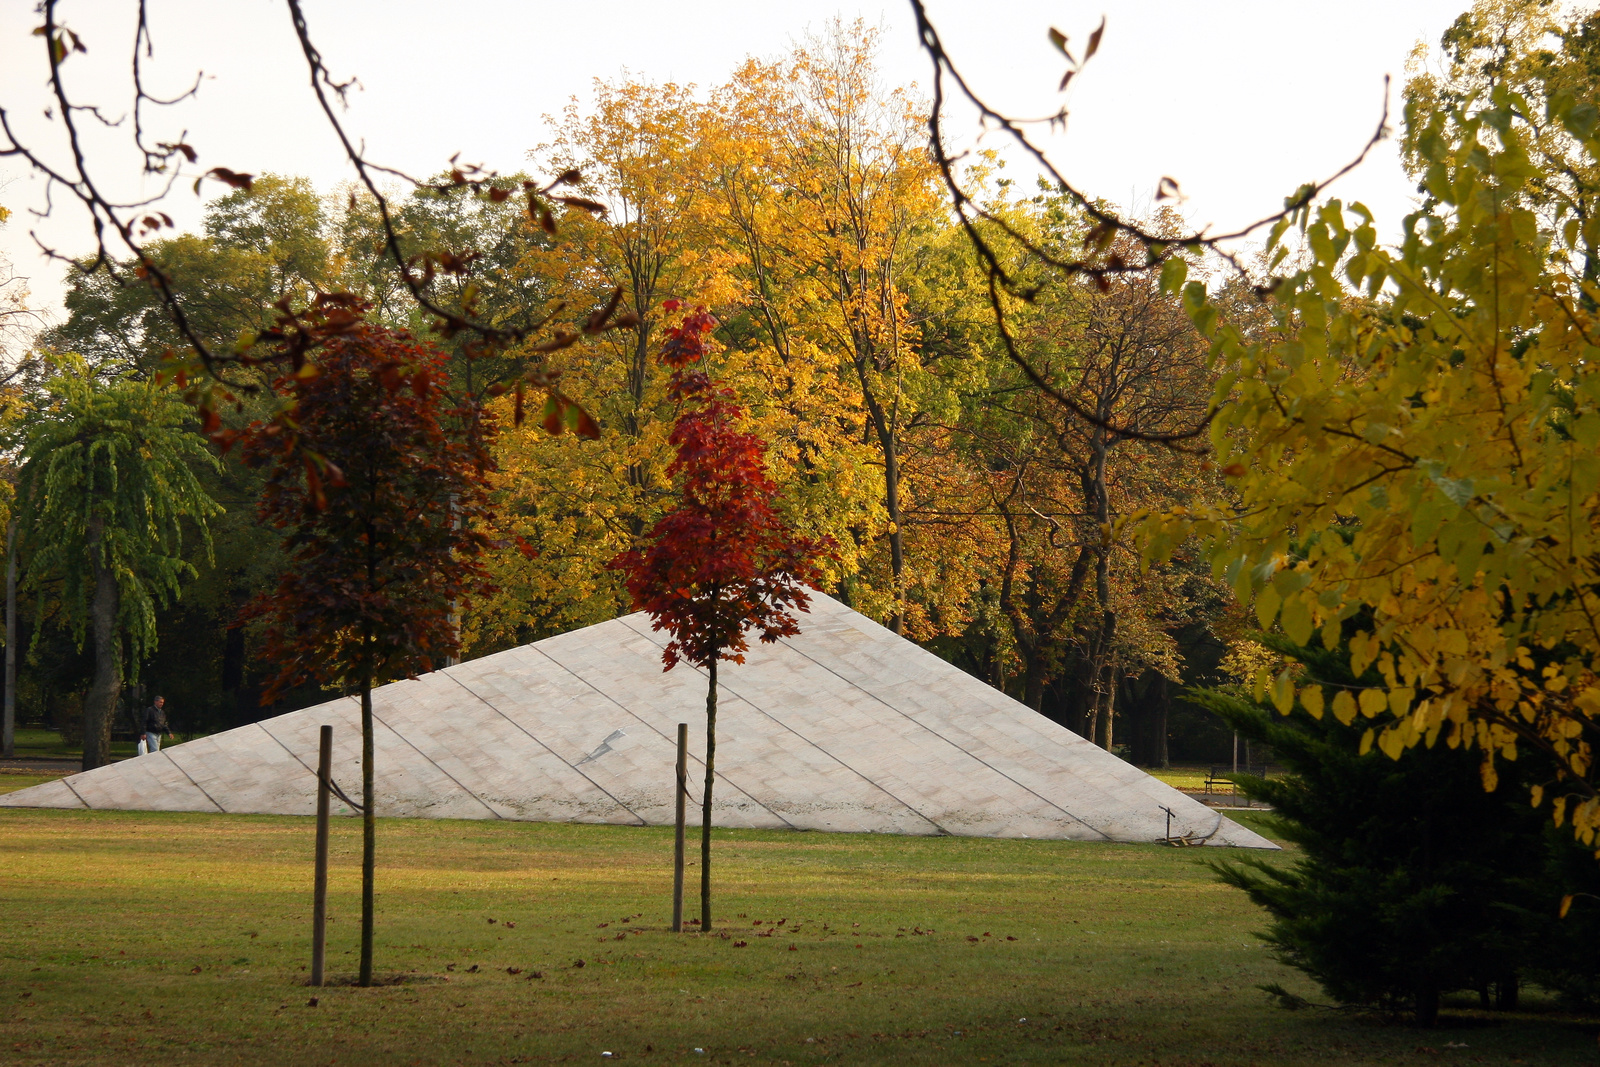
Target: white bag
pixel 144 748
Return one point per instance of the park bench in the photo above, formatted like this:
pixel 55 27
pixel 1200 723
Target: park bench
pixel 1217 780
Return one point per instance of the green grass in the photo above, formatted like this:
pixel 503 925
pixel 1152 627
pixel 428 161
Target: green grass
pixel 11 781
pixel 1192 776
pixel 137 938
pixel 33 742
pixel 1181 775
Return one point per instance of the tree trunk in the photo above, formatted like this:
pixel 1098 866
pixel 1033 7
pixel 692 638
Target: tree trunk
pixel 101 704
pixel 1105 674
pixel 1111 706
pixel 1089 689
pixel 633 418
pixel 1162 759
pixel 705 801
pixel 897 551
pixel 888 445
pixel 682 783
pixel 369 831
pixel 1427 1005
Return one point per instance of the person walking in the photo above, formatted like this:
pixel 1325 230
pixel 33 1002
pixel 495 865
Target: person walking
pixel 155 724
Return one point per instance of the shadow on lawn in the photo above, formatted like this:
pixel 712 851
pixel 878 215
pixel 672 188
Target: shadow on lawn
pixel 352 980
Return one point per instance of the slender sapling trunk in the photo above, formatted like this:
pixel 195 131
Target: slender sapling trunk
pixel 101 704
pixel 677 839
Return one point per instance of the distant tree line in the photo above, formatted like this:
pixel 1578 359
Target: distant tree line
pixel 797 202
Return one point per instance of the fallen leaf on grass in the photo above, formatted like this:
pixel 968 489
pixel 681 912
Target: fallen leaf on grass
pixel 513 970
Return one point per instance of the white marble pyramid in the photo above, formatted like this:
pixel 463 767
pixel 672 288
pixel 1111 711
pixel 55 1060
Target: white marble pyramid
pixel 847 727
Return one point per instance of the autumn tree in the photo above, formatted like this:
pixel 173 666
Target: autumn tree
pixel 483 240
pixel 781 351
pixel 722 562
pixel 861 185
pixel 636 149
pixel 1070 618
pixel 108 486
pixel 1129 357
pixel 1421 459
pixel 382 506
pixel 259 245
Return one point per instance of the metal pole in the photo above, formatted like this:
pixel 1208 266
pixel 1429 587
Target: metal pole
pixel 1235 767
pixel 319 892
pixel 677 841
pixel 1249 803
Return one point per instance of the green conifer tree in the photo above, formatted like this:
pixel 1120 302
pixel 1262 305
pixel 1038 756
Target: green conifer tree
pixel 1414 881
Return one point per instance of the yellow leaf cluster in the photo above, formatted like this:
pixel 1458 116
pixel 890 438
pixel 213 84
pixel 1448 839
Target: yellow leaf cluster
pixel 1417 448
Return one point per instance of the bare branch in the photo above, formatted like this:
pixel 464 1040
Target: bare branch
pixel 1151 249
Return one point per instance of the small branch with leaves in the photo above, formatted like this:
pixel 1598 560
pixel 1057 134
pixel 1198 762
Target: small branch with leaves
pixel 1103 256
pixel 124 229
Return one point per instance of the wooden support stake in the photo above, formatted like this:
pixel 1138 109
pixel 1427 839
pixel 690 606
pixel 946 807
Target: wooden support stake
pixel 8 742
pixel 319 892
pixel 677 844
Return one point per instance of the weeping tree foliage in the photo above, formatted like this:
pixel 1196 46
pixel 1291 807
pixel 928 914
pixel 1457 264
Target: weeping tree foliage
pixel 106 484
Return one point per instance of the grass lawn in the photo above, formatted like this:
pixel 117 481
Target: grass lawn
pixel 32 742
pixel 1192 776
pixel 11 781
pixel 1181 775
pixel 137 938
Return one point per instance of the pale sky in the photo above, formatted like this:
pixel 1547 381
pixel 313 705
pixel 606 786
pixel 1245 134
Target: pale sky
pixel 1240 100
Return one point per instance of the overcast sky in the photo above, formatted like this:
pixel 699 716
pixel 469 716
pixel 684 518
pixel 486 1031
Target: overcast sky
pixel 1240 101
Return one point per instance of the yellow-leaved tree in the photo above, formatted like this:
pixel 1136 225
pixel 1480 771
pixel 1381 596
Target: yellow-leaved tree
pixel 1415 443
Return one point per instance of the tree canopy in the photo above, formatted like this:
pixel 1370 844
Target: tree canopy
pixel 107 487
pixel 1413 442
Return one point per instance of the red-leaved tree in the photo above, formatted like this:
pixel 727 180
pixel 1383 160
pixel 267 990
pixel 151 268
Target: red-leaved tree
pixel 378 482
pixel 722 563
